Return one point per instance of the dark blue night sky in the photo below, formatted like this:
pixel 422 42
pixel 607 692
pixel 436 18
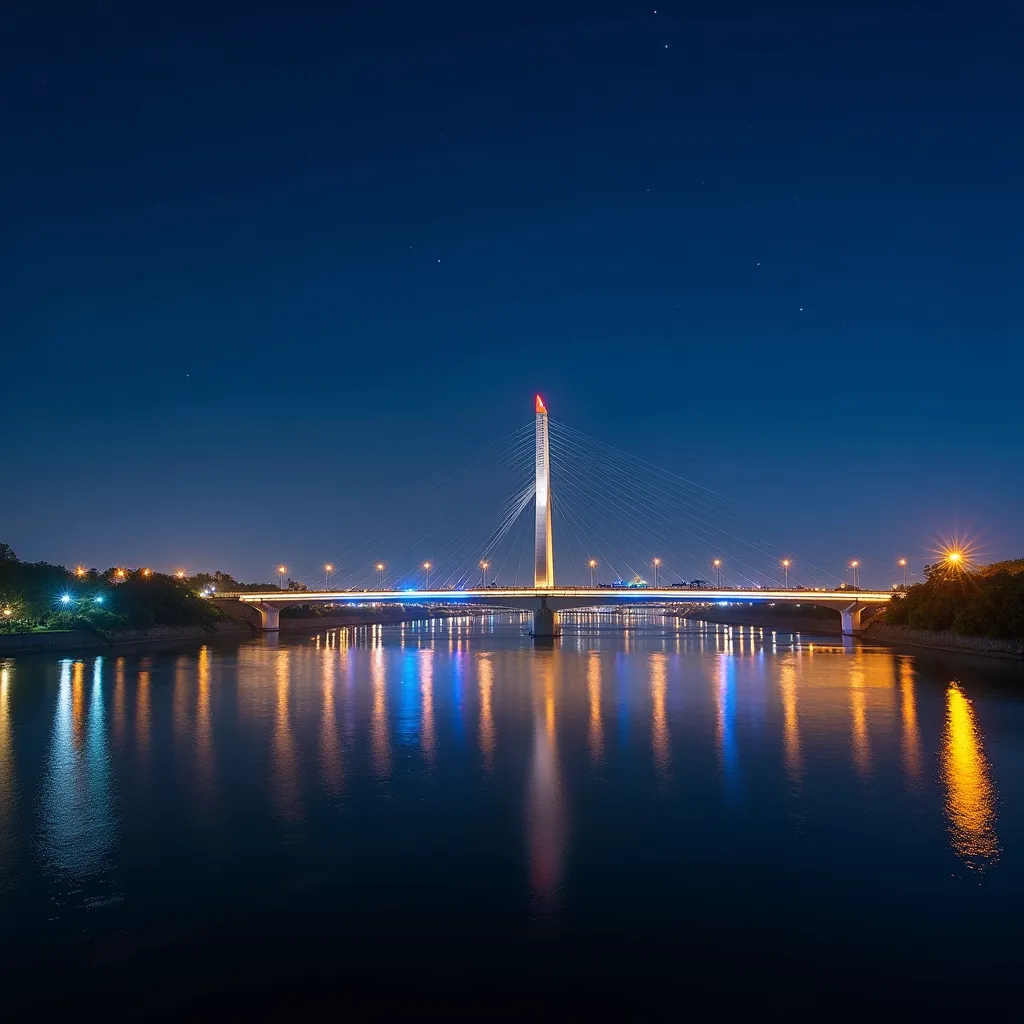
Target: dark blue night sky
pixel 260 261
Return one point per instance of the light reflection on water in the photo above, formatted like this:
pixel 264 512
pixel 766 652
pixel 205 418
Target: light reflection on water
pixel 971 796
pixel 642 727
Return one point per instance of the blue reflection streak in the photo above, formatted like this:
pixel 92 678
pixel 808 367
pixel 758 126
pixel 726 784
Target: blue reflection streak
pixel 410 700
pixel 458 681
pixel 727 719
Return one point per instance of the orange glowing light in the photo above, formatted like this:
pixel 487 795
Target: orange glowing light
pixel 540 406
pixel 426 565
pixel 785 562
pixel 902 562
pixel 282 569
pixel 147 572
pixel 380 567
pixel 120 574
pixel 80 570
pixel 593 563
pixel 180 574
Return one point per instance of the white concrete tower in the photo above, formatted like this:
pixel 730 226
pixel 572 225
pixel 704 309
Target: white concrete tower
pixel 543 562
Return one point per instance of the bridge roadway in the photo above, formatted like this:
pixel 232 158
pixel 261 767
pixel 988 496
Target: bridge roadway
pixel 546 602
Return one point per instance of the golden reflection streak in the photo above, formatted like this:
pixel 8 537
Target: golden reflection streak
pixel 179 716
pixel 119 712
pixel 204 727
pixel 595 734
pixel 286 773
pixel 546 801
pixel 970 792
pixel 380 747
pixel 78 704
pixel 142 711
pixel 7 766
pixel 912 754
pixel 330 743
pixel 858 711
pixel 790 722
pixel 485 680
pixel 427 704
pixel 659 723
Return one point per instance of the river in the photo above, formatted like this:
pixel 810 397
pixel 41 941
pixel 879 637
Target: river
pixel 647 804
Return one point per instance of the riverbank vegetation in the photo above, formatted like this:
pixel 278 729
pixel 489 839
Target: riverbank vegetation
pixel 40 596
pixel 971 601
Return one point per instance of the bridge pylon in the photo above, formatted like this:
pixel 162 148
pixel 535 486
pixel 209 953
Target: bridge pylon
pixel 543 560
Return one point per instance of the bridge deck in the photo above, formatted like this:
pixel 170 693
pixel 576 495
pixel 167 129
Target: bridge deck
pixel 613 595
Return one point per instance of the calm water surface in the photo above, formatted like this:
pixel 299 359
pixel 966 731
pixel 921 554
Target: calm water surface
pixel 648 803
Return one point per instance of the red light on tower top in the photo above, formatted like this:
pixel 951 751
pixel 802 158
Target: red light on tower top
pixel 540 406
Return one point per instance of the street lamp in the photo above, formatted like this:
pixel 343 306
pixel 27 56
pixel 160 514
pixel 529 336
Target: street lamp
pixel 657 564
pixel 281 570
pixel 120 574
pixel 380 575
pixel 593 572
pixel 147 572
pixel 426 575
pixel 483 572
pixel 180 574
pixel 80 571
pixel 328 569
pixel 785 565
pixel 855 565
pixel 717 563
pixel 903 563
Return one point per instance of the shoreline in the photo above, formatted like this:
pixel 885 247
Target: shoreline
pixel 874 632
pixel 79 639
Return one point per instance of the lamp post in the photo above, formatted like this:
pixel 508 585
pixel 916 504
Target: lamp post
pixel 903 564
pixel 717 563
pixel 328 569
pixel 483 572
pixel 281 572
pixel 593 572
pixel 854 566
pixel 380 575
pixel 785 565
pixel 426 575
pixel 657 564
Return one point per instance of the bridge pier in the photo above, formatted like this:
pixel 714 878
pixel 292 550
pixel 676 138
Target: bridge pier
pixel 545 623
pixel 270 616
pixel 851 619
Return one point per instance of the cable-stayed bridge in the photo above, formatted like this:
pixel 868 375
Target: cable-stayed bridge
pixel 612 508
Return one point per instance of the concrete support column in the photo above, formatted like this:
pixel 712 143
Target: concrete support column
pixel 545 622
pixel 851 619
pixel 270 617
